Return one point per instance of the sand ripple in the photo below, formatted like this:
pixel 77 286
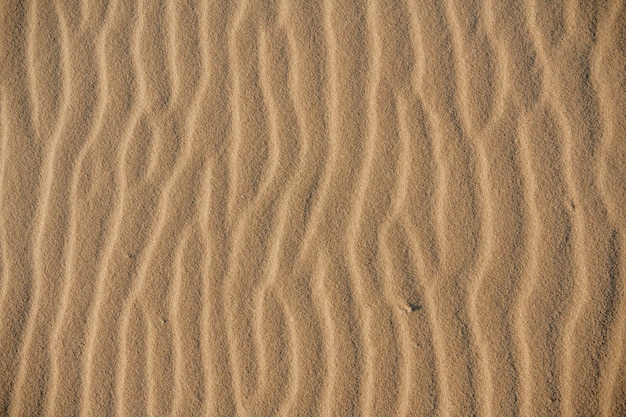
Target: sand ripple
pixel 312 207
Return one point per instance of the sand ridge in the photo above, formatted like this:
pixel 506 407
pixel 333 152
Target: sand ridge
pixel 312 207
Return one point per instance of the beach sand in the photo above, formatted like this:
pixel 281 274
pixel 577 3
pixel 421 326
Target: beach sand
pixel 313 208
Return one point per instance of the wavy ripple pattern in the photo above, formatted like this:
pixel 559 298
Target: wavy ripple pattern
pixel 312 207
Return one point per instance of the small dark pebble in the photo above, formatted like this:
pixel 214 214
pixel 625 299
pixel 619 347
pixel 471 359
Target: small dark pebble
pixel 414 306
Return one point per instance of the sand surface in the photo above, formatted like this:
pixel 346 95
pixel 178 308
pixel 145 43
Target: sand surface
pixel 313 208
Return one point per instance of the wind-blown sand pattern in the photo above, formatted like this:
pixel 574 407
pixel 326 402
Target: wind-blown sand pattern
pixel 312 207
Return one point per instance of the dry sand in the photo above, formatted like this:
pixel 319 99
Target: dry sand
pixel 312 207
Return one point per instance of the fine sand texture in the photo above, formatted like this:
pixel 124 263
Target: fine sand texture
pixel 313 208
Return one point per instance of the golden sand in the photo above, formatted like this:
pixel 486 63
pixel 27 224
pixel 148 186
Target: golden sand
pixel 313 208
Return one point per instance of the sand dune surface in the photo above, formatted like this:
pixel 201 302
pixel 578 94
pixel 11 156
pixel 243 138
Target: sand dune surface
pixel 313 208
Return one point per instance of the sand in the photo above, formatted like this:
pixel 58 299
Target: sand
pixel 312 208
